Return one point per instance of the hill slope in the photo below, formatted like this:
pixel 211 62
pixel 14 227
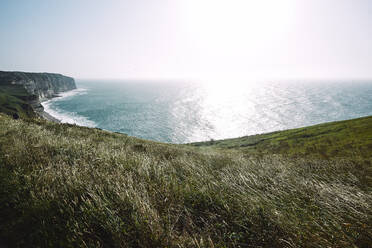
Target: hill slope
pixel 68 186
pixel 328 140
pixel 14 101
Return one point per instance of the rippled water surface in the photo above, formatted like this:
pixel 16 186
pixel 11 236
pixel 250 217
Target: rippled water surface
pixel 182 112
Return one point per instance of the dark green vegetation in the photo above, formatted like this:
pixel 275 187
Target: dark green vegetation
pixel 68 186
pixel 14 100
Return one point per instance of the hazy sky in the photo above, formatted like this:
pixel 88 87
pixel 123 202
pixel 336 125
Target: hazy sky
pixel 188 38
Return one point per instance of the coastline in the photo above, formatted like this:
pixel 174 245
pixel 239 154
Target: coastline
pixel 60 116
pixel 45 115
pixel 28 90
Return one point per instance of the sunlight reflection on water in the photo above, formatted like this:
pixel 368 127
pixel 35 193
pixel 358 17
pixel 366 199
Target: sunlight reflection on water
pixel 187 112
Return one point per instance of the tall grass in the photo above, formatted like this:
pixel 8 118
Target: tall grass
pixel 68 186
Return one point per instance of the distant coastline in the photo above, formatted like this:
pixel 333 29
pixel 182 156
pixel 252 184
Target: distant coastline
pixel 28 90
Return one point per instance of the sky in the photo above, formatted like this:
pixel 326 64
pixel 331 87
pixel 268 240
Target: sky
pixel 187 39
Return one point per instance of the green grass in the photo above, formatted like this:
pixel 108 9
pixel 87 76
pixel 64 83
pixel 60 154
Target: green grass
pixel 14 100
pixel 328 140
pixel 67 186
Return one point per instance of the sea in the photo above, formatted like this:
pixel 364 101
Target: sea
pixel 190 111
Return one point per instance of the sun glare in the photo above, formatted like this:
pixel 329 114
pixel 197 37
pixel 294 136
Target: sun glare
pixel 225 23
pixel 237 37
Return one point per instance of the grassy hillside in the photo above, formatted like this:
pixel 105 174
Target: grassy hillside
pixel 14 101
pixel 328 140
pixel 68 186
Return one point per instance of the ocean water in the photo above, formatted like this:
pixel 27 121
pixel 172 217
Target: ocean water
pixel 181 112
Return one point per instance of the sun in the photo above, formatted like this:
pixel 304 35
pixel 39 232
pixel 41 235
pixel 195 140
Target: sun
pixel 228 23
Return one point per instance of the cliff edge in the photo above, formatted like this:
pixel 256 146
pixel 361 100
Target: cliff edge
pixel 22 91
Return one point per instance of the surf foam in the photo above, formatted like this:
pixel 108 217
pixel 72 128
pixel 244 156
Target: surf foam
pixel 65 116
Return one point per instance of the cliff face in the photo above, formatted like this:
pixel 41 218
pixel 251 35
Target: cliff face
pixel 38 87
pixel 44 85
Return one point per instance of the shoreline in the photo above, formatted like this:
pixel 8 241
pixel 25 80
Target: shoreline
pixel 45 115
pixel 55 115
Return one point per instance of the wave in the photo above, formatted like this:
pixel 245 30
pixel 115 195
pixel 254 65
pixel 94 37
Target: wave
pixel 79 91
pixel 66 116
